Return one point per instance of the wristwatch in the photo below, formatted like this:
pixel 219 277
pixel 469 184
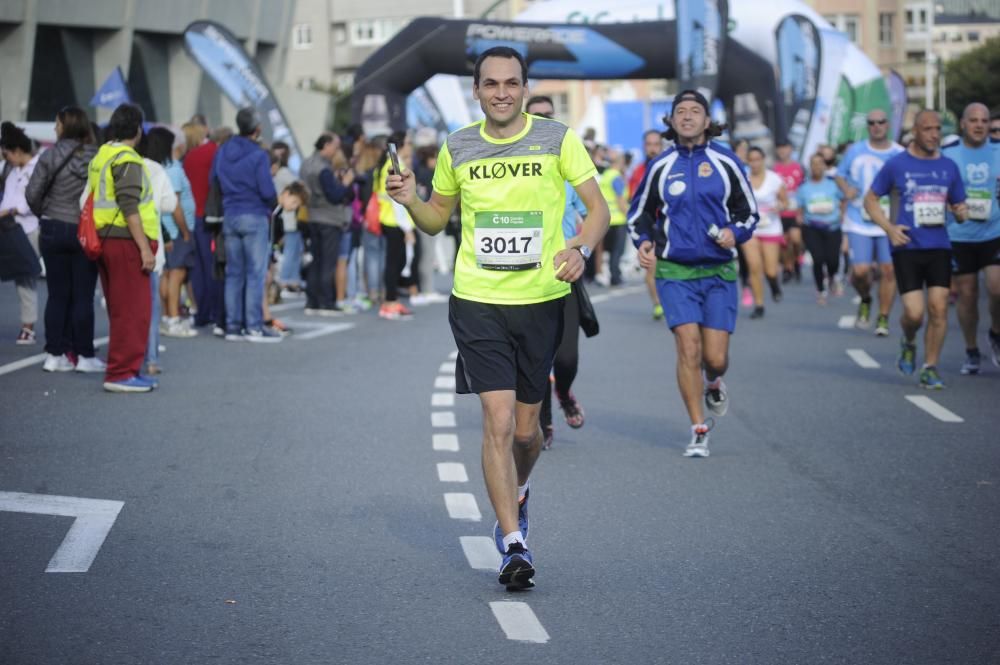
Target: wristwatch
pixel 584 250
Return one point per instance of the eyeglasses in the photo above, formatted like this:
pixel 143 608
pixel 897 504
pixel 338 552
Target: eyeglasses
pixel 876 122
pixel 994 130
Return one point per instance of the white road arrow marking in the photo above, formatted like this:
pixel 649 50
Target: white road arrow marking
pixel 94 519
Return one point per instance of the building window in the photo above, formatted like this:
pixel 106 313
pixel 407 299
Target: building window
pixel 956 36
pixel 339 32
pixel 302 37
pixel 852 27
pixel 916 21
pixel 849 24
pixel 374 32
pixel 973 36
pixel 885 21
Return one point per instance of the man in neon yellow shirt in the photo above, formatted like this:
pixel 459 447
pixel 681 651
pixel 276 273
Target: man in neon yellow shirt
pixel 511 274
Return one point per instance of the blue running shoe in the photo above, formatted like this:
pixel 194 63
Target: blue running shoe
pixel 133 384
pixel 516 568
pixel 151 380
pixel 906 362
pixel 930 379
pixel 522 523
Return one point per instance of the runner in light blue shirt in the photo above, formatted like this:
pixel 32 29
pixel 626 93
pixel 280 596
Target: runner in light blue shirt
pixel 867 241
pixel 976 243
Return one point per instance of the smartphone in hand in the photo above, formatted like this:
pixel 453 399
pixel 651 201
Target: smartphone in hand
pixel 394 156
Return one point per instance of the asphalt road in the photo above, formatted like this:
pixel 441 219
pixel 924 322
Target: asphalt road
pixel 284 504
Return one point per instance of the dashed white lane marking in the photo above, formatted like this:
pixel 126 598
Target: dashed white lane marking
pixel 444 383
pixel 447 368
pixel 446 442
pixel 452 472
pixel 519 622
pixel 930 406
pixel 453 355
pixel 94 519
pixel 37 359
pixel 442 399
pixel 481 552
pixel 863 359
pixel 847 321
pixel 462 506
pixel 442 419
pixel 317 329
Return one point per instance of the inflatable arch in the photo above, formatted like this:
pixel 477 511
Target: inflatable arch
pixel 781 60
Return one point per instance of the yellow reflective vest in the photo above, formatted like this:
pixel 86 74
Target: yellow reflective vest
pixel 606 181
pixel 102 183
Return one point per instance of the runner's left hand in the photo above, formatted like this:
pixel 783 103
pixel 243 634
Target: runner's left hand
pixel 574 264
pixel 961 211
pixel 726 239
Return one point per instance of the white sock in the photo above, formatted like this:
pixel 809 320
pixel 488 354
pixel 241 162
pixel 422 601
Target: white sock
pixel 511 538
pixel 521 489
pixel 714 384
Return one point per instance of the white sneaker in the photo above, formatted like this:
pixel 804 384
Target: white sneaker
pixel 177 328
pixel 717 399
pixel 419 300
pixel 90 365
pixel 699 440
pixel 57 363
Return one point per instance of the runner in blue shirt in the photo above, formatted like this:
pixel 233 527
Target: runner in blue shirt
pixel 976 245
pixel 920 184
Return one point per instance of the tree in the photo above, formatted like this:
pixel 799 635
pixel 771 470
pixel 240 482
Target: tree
pixel 972 77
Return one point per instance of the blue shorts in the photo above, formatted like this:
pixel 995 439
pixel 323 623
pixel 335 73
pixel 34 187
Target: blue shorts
pixel 345 244
pixel 868 249
pixel 711 302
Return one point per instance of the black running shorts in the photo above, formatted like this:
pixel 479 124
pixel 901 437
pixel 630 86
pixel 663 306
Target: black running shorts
pixel 917 268
pixel 971 257
pixel 505 347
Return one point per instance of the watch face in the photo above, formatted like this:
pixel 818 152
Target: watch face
pixel 585 251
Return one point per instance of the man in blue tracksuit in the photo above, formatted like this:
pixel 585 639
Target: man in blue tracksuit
pixel 693 207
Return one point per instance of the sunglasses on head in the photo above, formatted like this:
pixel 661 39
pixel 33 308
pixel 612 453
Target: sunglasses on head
pixel 877 122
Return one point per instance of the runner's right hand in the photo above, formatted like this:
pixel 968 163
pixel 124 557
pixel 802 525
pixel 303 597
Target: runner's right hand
pixel 401 188
pixel 898 236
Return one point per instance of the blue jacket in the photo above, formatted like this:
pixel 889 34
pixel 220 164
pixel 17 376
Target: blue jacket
pixel 684 192
pixel 244 172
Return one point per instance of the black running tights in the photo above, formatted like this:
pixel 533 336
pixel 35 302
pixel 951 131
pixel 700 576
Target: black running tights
pixel 567 358
pixel 824 247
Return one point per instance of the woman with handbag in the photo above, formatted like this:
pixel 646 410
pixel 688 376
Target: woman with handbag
pixel 54 195
pixel 19 152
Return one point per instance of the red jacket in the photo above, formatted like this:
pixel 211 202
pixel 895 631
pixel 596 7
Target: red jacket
pixel 197 166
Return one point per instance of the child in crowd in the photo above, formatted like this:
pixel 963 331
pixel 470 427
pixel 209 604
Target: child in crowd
pixel 284 229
